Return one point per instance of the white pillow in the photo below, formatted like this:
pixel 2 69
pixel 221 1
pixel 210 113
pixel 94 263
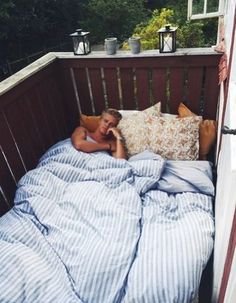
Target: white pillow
pixel 126 113
pixel 168 116
pixel 154 110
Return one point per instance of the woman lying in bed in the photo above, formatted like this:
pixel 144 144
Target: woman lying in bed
pixel 106 136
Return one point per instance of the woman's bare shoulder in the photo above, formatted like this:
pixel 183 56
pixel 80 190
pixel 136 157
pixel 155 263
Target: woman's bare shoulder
pixel 79 133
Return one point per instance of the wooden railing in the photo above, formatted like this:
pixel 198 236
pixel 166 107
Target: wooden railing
pixel 127 81
pixel 40 105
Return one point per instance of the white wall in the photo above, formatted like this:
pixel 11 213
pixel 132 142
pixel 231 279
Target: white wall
pixel 226 181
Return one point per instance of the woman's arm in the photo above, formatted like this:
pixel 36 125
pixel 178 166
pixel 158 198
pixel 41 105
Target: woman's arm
pixel 118 148
pixel 79 142
pixel 120 152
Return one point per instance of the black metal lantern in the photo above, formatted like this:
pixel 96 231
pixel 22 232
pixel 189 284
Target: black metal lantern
pixel 167 39
pixel 81 42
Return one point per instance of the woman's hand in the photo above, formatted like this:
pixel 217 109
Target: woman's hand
pixel 115 132
pixel 117 145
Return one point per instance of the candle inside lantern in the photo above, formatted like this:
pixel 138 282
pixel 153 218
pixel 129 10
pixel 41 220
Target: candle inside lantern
pixel 82 48
pixel 167 44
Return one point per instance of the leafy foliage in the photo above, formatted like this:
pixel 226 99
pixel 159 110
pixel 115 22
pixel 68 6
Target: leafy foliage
pixel 206 29
pixel 5 8
pixel 113 17
pixel 189 33
pixel 30 25
pixel 148 31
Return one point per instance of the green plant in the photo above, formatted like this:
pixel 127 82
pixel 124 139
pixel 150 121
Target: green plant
pixel 148 31
pixel 113 18
pixel 189 33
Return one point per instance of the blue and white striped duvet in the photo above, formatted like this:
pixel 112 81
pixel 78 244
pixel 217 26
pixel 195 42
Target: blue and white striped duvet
pixel 90 228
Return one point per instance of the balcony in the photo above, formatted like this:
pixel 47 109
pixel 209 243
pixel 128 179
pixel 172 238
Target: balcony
pixel 40 104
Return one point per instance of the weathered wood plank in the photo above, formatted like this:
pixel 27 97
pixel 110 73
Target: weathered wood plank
pixel 127 88
pixel 97 89
pixel 159 87
pixel 194 89
pixel 112 87
pixel 142 88
pixel 176 89
pixel 82 89
pixel 4 205
pixel 211 93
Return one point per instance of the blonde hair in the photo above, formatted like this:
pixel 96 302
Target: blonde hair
pixel 113 112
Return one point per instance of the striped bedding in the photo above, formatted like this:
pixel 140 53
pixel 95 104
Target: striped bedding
pixel 91 228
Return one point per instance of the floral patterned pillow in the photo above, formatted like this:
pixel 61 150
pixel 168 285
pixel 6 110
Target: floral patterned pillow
pixel 134 133
pixel 175 139
pixel 154 110
pixel 133 129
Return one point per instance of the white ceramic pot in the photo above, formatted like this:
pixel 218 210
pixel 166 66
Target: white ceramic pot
pixel 110 45
pixel 135 45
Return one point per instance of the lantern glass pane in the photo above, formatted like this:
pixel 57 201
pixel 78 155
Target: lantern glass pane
pixel 86 44
pixel 80 47
pixel 167 42
pixel 75 44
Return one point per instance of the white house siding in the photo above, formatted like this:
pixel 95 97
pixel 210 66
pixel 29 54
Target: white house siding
pixel 230 295
pixel 226 181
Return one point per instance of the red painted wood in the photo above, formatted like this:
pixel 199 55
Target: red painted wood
pixel 69 101
pixel 142 62
pixel 194 89
pixel 35 139
pixel 30 82
pixel 8 186
pixel 51 108
pixel 39 118
pixel 56 102
pixel 112 88
pixel 211 93
pixel 142 87
pixel 8 148
pixel 159 87
pixel 154 64
pixel 97 89
pixel 82 87
pixel 9 157
pixel 4 206
pixel 17 117
pixel 229 260
pixel 50 99
pixel 176 88
pixel 127 84
pixel 21 124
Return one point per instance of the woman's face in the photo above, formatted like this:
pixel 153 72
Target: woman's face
pixel 107 121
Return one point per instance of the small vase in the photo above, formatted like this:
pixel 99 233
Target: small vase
pixel 110 45
pixel 135 45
